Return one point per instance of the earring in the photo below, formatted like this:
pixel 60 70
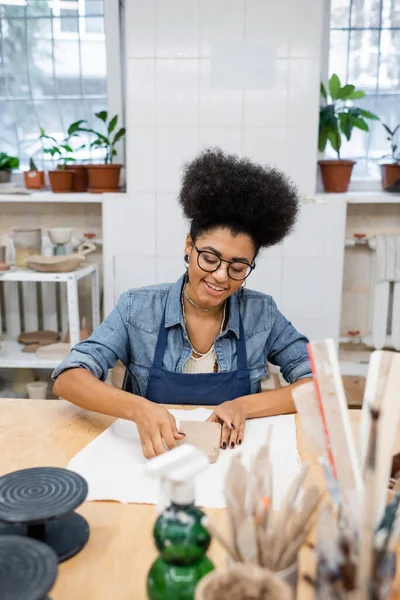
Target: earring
pixel 186 260
pixel 243 284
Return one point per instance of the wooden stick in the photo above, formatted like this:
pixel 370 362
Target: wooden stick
pixel 330 390
pixel 214 531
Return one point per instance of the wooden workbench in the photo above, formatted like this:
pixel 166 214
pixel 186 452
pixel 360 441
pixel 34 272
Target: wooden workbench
pixel 115 562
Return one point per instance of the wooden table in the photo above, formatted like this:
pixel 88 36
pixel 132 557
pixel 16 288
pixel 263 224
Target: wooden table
pixel 115 562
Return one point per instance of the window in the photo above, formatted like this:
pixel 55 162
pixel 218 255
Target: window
pixel 364 51
pixel 52 72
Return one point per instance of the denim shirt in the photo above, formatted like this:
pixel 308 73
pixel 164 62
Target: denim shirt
pixel 130 332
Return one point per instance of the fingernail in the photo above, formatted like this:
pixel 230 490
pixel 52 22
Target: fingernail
pixel 223 445
pixel 239 442
pixel 232 445
pixel 233 426
pixel 180 433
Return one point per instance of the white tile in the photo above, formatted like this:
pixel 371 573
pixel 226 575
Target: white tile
pixel 306 24
pixel 303 288
pixel 218 107
pixel 140 105
pixel 269 20
pixel 308 239
pixel 268 108
pixel 168 270
pixel 300 157
pixel 272 252
pixel 171 226
pixel 315 329
pixel 140 28
pixel 177 28
pixel 174 148
pixel 267 277
pixel 220 20
pixel 304 83
pixel 132 271
pixel 229 139
pixel 265 145
pixel 177 93
pixel 130 224
pixel 140 160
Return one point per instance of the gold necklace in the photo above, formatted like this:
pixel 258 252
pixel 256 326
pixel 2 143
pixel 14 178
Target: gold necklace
pixel 201 354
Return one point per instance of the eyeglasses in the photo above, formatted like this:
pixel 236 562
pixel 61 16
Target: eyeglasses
pixel 210 262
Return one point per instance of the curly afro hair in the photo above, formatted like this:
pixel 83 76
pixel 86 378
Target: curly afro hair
pixel 223 190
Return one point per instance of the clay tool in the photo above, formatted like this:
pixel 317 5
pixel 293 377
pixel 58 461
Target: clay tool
pixel 214 531
pixel 306 401
pixel 334 412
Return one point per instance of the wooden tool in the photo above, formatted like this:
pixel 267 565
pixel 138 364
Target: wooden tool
pixel 334 413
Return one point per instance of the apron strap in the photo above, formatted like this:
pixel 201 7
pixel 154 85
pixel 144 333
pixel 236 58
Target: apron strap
pixel 241 348
pixel 162 344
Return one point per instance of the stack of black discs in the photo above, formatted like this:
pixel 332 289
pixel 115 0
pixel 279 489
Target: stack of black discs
pixel 39 503
pixel 28 568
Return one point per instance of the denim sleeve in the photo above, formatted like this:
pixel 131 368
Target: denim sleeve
pixel 108 343
pixel 287 349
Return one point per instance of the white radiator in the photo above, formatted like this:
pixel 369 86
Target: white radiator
pixel 385 291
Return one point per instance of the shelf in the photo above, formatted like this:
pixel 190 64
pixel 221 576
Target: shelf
pixel 359 198
pixel 74 198
pixel 30 275
pixel 11 357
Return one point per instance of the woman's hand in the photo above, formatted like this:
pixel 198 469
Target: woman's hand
pixel 232 416
pixel 155 426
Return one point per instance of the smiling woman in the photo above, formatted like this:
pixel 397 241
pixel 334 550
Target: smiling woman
pixel 204 340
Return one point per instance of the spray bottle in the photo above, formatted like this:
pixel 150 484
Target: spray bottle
pixel 179 535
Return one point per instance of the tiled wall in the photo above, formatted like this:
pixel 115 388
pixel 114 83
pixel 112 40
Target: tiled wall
pixel 239 74
pixel 371 219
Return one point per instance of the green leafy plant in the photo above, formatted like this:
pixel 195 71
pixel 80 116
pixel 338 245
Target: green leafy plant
pixel 63 151
pixel 336 117
pixel 32 165
pixel 7 162
pixel 391 138
pixel 105 140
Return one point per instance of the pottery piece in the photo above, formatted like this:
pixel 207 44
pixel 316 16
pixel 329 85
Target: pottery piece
pixel 4 266
pixel 61 264
pixel 84 332
pixel 39 337
pixel 203 435
pixel 56 351
pixel 27 242
pixel 37 390
pixel 242 581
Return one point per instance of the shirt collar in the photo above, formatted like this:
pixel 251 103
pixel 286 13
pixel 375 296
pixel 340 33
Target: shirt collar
pixel 173 309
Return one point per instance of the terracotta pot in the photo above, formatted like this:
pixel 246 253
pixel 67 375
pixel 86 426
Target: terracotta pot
pixel 80 183
pixel 104 178
pixel 390 173
pixel 34 180
pixel 336 174
pixel 5 176
pixel 61 181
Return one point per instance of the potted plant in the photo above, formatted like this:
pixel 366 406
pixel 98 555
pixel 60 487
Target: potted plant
pixel 390 171
pixel 105 177
pixel 80 178
pixel 337 118
pixel 7 164
pixel 34 179
pixel 62 179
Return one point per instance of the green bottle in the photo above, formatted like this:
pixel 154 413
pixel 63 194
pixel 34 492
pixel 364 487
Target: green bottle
pixel 180 537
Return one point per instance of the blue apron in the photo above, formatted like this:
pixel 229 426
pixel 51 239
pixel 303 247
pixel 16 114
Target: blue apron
pixel 205 389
